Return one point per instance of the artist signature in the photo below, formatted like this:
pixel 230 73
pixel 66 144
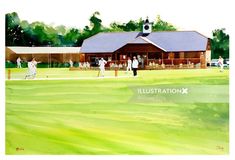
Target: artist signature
pixel 220 148
pixel 19 149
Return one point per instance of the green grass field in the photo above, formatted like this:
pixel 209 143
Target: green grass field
pixel 97 117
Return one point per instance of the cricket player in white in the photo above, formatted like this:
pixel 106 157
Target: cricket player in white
pixel 221 63
pixel 135 64
pixel 32 68
pixel 71 63
pixel 88 65
pixel 18 61
pixel 128 68
pixel 102 63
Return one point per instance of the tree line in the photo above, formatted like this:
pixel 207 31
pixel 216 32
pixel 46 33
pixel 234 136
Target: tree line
pixel 220 44
pixel 22 33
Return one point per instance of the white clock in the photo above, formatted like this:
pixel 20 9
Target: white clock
pixel 147 27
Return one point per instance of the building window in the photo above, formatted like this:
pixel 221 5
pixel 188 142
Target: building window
pixel 154 55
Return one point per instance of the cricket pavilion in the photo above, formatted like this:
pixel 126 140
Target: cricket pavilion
pixel 46 55
pixel 154 50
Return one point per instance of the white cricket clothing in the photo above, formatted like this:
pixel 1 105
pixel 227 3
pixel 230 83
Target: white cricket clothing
pixel 128 68
pixel 18 60
pixel 88 64
pixel 34 63
pixel 221 61
pixel 129 63
pixel 71 63
pixel 84 65
pixel 18 63
pixel 221 64
pixel 34 67
pixel 102 71
pixel 31 69
pixel 102 63
pixel 102 66
pixel 135 63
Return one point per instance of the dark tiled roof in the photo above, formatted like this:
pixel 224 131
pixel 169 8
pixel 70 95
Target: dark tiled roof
pixel 179 41
pixel 167 41
pixel 107 42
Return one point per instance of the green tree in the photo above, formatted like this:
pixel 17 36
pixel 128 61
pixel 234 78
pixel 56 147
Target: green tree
pixel 220 44
pixel 27 33
pixel 71 37
pixel 21 33
pixel 160 25
pixel 132 25
pixel 53 36
pixel 39 32
pixel 94 28
pixel 114 27
pixel 13 30
pixel 95 23
pixel 61 30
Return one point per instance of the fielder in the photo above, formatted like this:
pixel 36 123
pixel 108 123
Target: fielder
pixel 71 63
pixel 221 63
pixel 102 63
pixel 88 65
pixel 129 63
pixel 18 61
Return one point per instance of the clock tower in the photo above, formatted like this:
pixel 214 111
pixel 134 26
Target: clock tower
pixel 147 27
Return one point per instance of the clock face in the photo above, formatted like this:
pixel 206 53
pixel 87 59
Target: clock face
pixel 146 27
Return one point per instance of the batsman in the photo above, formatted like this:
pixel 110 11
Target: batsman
pixel 102 63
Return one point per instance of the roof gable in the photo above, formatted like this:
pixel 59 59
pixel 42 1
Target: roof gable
pixel 107 42
pixel 138 40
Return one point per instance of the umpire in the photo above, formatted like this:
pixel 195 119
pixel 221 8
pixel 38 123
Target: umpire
pixel 135 64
